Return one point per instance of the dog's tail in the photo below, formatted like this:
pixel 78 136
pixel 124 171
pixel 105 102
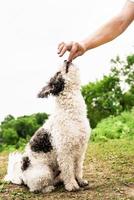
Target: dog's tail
pixel 14 168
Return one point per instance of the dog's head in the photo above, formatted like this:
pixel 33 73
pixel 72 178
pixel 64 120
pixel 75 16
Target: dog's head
pixel 66 79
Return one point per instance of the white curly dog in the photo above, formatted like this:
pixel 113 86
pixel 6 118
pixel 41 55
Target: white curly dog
pixel 57 150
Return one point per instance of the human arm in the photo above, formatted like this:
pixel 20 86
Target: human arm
pixel 106 33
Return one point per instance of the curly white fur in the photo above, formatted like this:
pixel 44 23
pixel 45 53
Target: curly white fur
pixel 69 130
pixel 14 173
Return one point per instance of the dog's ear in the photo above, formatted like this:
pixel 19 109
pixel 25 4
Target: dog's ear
pixel 54 87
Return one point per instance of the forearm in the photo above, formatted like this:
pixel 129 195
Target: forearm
pixel 111 29
pixel 106 33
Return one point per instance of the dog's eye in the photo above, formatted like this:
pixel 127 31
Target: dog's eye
pixel 54 79
pixel 58 73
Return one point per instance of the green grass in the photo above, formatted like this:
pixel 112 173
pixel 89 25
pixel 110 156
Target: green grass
pixel 109 168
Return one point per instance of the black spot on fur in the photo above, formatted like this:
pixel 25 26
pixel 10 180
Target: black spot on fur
pixel 57 84
pixel 40 142
pixel 54 87
pixel 25 163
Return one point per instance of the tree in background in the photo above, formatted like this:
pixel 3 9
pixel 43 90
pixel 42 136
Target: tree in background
pixel 12 130
pixel 107 96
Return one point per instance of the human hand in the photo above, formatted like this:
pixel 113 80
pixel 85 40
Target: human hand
pixel 76 49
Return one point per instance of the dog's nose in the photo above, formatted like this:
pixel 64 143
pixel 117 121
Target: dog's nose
pixel 67 64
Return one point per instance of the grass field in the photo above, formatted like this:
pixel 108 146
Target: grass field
pixel 109 168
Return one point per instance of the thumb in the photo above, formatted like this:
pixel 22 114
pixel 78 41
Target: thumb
pixel 76 55
pixel 72 53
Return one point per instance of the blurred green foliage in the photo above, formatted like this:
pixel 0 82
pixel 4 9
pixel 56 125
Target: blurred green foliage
pixel 115 127
pixel 18 131
pixel 112 94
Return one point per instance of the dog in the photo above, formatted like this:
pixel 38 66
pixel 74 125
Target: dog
pixel 29 171
pixel 56 151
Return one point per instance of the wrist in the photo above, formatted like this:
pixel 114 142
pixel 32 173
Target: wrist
pixel 83 45
pixel 88 43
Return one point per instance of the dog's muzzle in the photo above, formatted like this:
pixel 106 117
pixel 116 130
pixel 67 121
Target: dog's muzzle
pixel 67 64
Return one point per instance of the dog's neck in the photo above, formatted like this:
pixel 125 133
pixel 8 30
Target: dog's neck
pixel 71 103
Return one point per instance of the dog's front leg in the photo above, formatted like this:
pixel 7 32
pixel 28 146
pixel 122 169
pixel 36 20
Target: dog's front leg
pixel 79 171
pixel 66 165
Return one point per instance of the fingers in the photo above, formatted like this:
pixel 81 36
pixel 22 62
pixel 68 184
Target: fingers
pixel 62 48
pixel 73 51
pixel 74 48
pixel 76 55
pixel 62 51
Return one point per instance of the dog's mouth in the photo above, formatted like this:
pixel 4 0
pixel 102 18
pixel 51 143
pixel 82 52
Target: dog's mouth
pixel 67 64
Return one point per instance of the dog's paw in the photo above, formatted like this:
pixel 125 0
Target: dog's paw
pixel 82 182
pixel 72 187
pixel 48 189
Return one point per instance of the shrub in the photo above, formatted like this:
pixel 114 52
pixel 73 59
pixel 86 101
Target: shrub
pixel 102 98
pixel 112 94
pixel 18 131
pixel 10 136
pixel 115 127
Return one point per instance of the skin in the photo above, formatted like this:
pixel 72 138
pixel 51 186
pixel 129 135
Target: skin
pixel 106 33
